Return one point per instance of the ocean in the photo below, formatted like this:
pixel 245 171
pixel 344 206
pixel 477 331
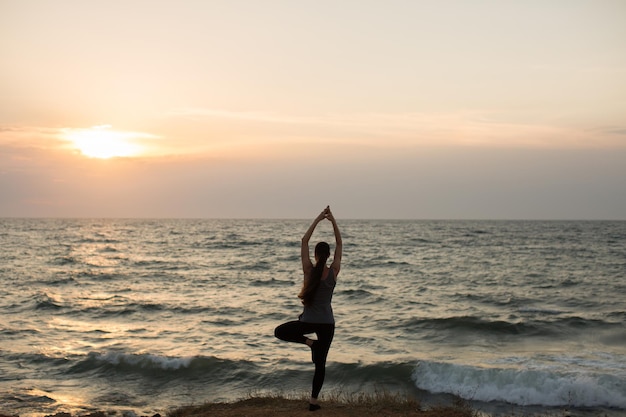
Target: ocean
pixel 139 316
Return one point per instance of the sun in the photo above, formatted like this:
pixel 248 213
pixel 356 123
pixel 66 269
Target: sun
pixel 103 143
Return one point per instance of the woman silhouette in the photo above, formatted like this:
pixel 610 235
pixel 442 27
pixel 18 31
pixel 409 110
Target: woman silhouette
pixel 316 294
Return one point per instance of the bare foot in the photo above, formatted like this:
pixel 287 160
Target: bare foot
pixel 313 404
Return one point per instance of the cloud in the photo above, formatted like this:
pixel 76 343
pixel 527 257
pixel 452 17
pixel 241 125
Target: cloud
pixel 464 128
pixel 199 113
pixel 29 136
pixel 614 130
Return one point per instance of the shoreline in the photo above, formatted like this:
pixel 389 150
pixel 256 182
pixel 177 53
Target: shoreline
pixel 357 405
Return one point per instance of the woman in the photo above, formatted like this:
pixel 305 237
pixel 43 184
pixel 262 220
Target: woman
pixel 316 294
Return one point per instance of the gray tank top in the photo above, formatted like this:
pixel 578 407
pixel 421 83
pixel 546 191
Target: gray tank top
pixel 320 311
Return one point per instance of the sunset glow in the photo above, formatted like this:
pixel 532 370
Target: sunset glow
pixel 103 143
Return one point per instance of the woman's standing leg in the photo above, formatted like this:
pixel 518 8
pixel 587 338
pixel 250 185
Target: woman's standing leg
pixel 294 331
pixel 325 334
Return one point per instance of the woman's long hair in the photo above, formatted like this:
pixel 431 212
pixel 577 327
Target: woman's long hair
pixel 310 286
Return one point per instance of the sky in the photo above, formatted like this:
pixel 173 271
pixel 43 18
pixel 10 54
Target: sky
pixel 442 109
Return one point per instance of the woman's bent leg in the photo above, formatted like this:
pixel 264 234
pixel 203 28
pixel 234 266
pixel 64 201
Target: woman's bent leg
pixel 292 331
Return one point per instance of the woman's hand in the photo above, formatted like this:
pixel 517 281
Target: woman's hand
pixel 329 214
pixel 323 215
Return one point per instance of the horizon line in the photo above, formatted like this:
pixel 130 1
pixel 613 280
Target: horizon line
pixel 306 218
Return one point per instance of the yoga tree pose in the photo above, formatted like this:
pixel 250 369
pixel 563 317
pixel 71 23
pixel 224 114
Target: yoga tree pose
pixel 316 295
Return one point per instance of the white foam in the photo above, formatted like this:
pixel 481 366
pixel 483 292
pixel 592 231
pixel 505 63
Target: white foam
pixel 522 386
pixel 145 360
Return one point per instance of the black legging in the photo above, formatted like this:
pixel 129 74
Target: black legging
pixel 294 331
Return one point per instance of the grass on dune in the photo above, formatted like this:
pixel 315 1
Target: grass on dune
pixel 334 404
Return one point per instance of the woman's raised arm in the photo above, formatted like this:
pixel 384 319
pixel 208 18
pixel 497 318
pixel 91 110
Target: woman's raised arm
pixel 307 265
pixel 336 265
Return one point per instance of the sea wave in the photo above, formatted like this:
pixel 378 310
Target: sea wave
pixel 461 324
pixel 380 373
pixel 64 260
pixel 272 282
pixel 536 385
pixel 43 301
pixel 542 387
pixel 153 365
